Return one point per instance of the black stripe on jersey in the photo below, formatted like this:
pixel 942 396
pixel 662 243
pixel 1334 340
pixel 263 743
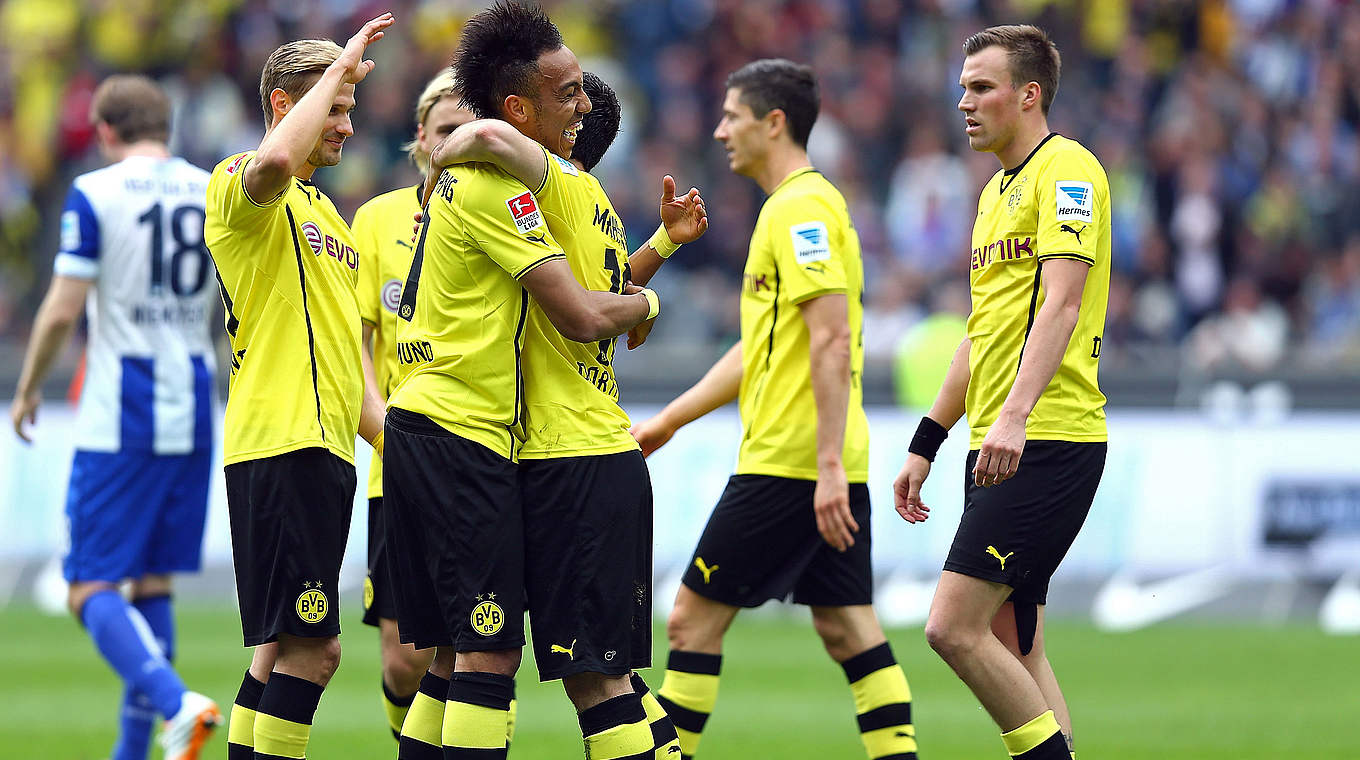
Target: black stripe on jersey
pixel 519 373
pixel 306 316
pixel 1033 306
pixel 233 324
pixel 1009 175
pixel 407 308
pixel 1068 255
pixel 537 264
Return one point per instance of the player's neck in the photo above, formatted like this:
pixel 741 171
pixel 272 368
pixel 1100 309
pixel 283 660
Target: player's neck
pixel 145 148
pixel 1026 140
pixel 780 165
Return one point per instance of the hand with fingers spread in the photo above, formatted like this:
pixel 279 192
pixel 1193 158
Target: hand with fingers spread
pixel 831 505
pixel 685 217
pixel 351 60
pixel 999 457
pixel 907 489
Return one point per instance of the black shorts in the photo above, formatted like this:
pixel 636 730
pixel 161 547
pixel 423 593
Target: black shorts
pixel 378 602
pixel 289 523
pixel 588 563
pixel 761 543
pixel 455 538
pixel 1017 532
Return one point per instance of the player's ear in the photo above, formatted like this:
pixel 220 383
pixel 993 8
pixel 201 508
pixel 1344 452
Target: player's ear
pixel 1030 96
pixel 280 102
pixel 518 109
pixel 776 122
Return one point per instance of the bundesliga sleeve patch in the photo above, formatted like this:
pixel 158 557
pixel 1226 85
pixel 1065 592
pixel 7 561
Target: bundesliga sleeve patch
pixel 70 231
pixel 810 242
pixel 567 166
pixel 1076 200
pixel 524 211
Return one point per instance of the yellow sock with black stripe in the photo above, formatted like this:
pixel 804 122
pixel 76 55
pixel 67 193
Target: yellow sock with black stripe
pixel 283 723
pixel 882 704
pixel 688 694
pixel 665 742
pixel 241 729
pixel 422 731
pixel 510 722
pixel 1039 739
pixel 477 716
pixel 617 729
pixel 395 707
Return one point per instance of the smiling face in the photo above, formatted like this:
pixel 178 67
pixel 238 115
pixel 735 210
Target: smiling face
pixel 553 116
pixel 337 129
pixel 743 135
pixel 991 105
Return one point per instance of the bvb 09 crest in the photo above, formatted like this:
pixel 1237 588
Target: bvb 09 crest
pixel 312 606
pixel 487 618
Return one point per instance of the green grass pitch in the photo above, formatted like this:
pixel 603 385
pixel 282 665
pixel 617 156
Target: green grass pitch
pixel 1176 692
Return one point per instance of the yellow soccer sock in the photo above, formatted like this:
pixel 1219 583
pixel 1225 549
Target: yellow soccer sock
pixel 616 728
pixel 241 729
pixel 1039 739
pixel 688 694
pixel 665 742
pixel 283 722
pixel 422 730
pixel 395 707
pixel 510 722
pixel 476 716
pixel 882 704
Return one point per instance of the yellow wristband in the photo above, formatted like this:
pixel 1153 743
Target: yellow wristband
pixel 377 443
pixel 653 303
pixel 661 242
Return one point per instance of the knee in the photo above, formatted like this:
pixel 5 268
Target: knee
pixel 835 635
pixel 505 662
pixel 79 593
pixel 403 666
pixel 326 655
pixel 687 632
pixel 950 641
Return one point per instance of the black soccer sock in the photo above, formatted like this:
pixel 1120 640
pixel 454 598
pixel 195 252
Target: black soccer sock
pixel 616 729
pixel 241 729
pixel 283 722
pixel 688 694
pixel 476 716
pixel 882 704
pixel 421 731
pixel 665 742
pixel 1039 739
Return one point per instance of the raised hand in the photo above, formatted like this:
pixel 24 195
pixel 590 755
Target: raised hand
pixel 684 217
pixel 352 58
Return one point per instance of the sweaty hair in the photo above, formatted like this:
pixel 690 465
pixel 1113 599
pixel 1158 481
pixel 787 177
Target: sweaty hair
pixel 498 55
pixel 438 88
pixel 600 126
pixel 773 83
pixel 1030 55
pixel 294 67
pixel 135 107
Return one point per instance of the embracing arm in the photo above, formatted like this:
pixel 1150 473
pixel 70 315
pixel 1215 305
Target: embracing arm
pixel 57 317
pixel 490 141
pixel 585 315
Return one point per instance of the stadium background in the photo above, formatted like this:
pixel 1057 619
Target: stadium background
pixel 1228 521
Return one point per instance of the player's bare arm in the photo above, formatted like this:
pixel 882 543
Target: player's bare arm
pixel 585 315
pixel 374 409
pixel 829 338
pixel 1063 281
pixel 947 409
pixel 683 219
pixel 718 387
pixel 57 316
pixel 489 141
pixel 285 149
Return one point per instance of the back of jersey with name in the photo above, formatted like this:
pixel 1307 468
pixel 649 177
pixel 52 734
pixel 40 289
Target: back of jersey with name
pixel 135 229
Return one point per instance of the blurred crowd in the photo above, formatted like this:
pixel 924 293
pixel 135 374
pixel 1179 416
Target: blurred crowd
pixel 1228 129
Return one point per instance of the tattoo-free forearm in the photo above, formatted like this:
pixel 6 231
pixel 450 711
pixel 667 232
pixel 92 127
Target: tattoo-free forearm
pixel 718 387
pixel 949 403
pixel 1043 355
pixel 830 360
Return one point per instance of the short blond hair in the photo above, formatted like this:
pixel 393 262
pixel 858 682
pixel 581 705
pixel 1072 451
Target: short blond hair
pixel 442 86
pixel 134 107
pixel 294 67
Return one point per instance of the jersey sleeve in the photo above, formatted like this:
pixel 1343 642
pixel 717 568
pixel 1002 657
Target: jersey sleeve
pixel 807 242
pixel 504 217
pixel 1070 196
pixel 78 252
pixel 366 240
pixel 232 204
pixel 564 192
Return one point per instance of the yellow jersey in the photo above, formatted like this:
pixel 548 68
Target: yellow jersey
pixel 287 269
pixel 382 230
pixel 462 315
pixel 571 396
pixel 1054 205
pixel 803 246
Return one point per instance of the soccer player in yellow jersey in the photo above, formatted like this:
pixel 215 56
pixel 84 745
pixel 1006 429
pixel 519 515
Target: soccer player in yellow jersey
pixel 794 519
pixel 1025 374
pixel 382 231
pixel 288 268
pixel 458 419
pixel 587 493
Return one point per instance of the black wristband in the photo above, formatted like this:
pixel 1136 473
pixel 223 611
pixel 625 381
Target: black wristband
pixel 929 435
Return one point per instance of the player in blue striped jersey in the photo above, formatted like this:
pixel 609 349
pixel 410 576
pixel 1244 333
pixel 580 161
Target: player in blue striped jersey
pixel 132 256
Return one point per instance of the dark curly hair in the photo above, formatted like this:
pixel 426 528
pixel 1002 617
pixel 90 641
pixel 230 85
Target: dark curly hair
pixel 600 126
pixel 498 55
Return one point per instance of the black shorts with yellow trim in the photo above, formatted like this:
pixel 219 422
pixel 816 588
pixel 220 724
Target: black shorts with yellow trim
pixel 378 601
pixel 588 563
pixel 289 519
pixel 1017 532
pixel 762 543
pixel 455 542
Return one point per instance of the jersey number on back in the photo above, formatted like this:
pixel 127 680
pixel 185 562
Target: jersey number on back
pixel 186 230
pixel 618 275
